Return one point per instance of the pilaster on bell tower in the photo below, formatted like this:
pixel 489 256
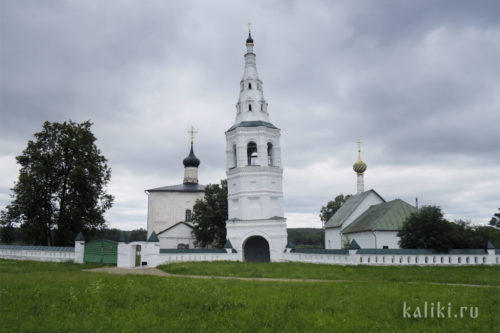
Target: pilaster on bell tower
pixel 254 170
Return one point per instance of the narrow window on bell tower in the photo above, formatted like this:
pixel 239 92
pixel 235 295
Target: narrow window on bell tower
pixel 235 157
pixel 249 107
pixel 269 154
pixel 249 86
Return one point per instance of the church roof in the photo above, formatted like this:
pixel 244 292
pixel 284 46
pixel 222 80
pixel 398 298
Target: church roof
pixel 254 123
pixel 387 216
pixel 179 188
pixel 175 225
pixel 348 208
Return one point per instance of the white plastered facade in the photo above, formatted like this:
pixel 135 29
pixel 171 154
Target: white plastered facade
pixel 333 236
pixel 166 209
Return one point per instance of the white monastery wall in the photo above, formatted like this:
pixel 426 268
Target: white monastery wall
pixel 36 253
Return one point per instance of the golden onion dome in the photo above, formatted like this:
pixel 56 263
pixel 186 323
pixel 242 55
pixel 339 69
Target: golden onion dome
pixel 359 166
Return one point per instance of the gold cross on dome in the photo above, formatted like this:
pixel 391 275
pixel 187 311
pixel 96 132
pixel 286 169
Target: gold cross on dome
pixel 359 144
pixel 249 27
pixel 192 132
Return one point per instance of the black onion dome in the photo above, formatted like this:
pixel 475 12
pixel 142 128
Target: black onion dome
pixel 191 160
pixel 249 39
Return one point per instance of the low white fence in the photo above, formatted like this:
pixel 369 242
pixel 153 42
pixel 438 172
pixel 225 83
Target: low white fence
pixel 396 257
pixel 37 253
pixel 166 258
pixel 155 256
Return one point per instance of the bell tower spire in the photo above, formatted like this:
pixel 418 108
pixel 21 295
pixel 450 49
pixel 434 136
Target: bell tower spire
pixel 251 105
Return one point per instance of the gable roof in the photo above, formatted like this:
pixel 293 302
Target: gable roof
pixel 179 188
pixel 348 208
pixel 153 238
pixel 175 225
pixel 386 216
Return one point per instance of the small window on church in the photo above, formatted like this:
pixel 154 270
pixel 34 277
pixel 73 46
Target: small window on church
pixel 249 86
pixel 262 107
pixel 249 107
pixel 252 153
pixel 188 215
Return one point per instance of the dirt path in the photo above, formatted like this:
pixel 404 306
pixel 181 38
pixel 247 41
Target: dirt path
pixel 158 272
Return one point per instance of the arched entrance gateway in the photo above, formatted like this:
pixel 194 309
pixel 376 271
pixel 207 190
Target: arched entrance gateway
pixel 256 249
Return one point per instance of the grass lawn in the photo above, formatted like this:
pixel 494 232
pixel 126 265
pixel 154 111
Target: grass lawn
pixel 48 297
pixel 481 275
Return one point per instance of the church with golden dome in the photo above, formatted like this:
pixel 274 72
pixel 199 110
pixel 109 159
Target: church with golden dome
pixel 366 217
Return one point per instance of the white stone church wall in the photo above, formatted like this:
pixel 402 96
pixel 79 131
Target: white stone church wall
pixel 333 238
pixel 168 208
pixel 180 234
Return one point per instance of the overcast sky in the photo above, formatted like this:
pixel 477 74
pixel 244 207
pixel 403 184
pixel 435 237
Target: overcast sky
pixel 417 81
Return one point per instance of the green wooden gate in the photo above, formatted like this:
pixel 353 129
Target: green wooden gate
pixel 101 251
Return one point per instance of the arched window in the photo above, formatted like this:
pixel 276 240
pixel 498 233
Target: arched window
pixel 249 85
pixel 188 215
pixel 235 157
pixel 252 153
pixel 249 107
pixel 261 107
pixel 269 153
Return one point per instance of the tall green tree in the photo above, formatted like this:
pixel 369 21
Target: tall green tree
pixel 331 207
pixel 60 190
pixel 210 216
pixel 426 229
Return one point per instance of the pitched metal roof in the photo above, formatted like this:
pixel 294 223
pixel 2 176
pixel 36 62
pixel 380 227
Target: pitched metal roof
pixel 153 238
pixel 175 225
pixel 386 216
pixel 348 208
pixel 179 188
pixel 79 237
pixel 254 123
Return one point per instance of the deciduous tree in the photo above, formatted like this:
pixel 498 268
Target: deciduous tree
pixel 331 207
pixel 210 216
pixel 60 190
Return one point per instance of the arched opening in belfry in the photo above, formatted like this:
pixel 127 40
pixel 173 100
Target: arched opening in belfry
pixel 235 157
pixel 249 107
pixel 256 249
pixel 249 86
pixel 270 154
pixel 252 153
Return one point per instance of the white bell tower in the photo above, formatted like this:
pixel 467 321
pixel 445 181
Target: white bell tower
pixel 256 226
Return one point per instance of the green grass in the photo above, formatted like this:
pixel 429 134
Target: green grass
pixel 47 297
pixel 481 275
